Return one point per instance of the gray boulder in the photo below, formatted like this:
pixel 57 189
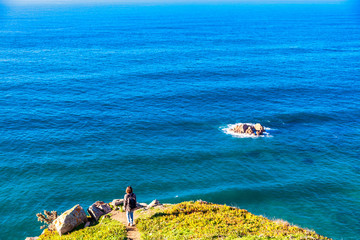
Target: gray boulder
pixel 97 209
pixel 153 204
pixel 141 205
pixel 117 202
pixel 70 220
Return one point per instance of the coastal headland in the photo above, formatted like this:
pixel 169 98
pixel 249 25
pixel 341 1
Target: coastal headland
pixel 185 220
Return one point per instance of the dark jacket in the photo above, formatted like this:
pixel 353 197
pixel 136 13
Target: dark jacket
pixel 126 205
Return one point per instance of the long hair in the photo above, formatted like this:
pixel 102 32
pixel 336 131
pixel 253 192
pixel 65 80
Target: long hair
pixel 129 189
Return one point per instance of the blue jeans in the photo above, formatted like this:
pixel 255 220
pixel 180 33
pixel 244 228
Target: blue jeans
pixel 130 217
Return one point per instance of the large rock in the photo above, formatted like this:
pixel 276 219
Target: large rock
pixel 240 128
pixel 141 205
pixel 70 220
pixel 117 202
pixel 97 209
pixel 153 204
pixel 258 127
pixel 250 130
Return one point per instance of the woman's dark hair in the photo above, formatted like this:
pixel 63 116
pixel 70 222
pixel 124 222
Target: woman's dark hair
pixel 129 189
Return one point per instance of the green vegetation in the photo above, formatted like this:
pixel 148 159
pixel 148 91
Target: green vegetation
pixel 107 229
pixel 116 208
pixel 200 220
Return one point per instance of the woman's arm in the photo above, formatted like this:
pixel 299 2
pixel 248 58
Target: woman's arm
pixel 125 202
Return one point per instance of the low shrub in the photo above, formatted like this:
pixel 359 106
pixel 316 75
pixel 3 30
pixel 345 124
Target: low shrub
pixel 200 220
pixel 106 229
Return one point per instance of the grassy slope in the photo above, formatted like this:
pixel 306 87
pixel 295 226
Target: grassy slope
pixel 198 220
pixel 105 230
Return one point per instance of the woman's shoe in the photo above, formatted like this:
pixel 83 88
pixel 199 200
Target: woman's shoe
pixel 129 224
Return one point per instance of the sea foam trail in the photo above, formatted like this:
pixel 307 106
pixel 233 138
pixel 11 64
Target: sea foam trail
pixel 228 128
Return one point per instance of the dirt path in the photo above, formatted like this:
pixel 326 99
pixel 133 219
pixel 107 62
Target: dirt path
pixel 132 232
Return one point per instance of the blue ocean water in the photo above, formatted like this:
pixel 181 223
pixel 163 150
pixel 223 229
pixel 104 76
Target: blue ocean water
pixel 94 99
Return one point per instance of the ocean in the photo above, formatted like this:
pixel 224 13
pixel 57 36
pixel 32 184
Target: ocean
pixel 96 98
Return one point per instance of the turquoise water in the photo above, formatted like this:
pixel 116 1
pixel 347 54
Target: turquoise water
pixel 94 99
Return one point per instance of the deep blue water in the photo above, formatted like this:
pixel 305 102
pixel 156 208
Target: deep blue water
pixel 94 99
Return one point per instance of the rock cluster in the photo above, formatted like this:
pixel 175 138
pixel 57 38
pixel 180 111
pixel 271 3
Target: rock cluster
pixel 256 129
pixel 76 216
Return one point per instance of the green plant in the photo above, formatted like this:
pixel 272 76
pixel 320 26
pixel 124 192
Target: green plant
pixel 107 229
pixel 116 208
pixel 112 206
pixel 200 220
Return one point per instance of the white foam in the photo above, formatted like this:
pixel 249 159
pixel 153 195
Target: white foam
pixel 228 128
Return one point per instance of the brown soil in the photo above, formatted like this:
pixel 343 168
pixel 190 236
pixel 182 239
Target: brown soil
pixel 132 232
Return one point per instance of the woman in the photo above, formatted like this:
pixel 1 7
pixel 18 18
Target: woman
pixel 130 205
